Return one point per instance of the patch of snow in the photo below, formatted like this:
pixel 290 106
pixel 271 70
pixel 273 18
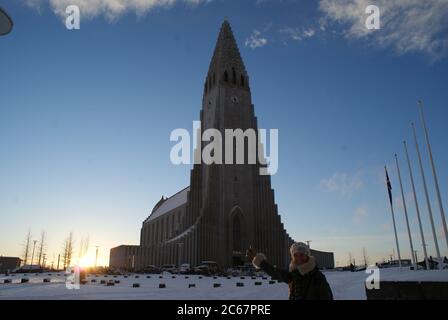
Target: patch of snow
pixel 171 203
pixel 345 286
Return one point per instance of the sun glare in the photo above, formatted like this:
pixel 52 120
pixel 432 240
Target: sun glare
pixel 86 261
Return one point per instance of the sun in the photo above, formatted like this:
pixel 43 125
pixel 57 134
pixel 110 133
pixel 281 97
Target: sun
pixel 86 261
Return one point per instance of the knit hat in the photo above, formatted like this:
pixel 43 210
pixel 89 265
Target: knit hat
pixel 299 247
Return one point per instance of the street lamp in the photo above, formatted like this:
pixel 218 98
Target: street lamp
pixel 96 256
pixel 6 23
pixel 32 256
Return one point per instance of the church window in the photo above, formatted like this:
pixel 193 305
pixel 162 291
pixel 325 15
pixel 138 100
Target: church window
pixel 236 233
pixel 226 76
pixel 233 76
pixel 242 81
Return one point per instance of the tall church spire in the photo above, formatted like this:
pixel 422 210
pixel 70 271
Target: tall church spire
pixel 226 66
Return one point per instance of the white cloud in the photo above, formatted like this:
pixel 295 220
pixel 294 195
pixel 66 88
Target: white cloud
pixel 256 40
pixel 298 34
pixel 34 4
pixel 342 183
pixel 111 9
pixel 408 197
pixel 360 215
pixel 406 25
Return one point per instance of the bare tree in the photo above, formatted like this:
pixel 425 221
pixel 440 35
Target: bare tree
pixel 364 254
pixel 64 254
pixel 27 247
pixel 83 247
pixel 42 246
pixel 68 250
pixel 86 245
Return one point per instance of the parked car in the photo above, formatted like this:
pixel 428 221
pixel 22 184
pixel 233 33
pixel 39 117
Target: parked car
pixel 244 270
pixel 249 269
pixel 212 265
pixel 151 269
pixel 202 270
pixel 29 269
pixel 235 271
pixel 184 268
pixel 171 268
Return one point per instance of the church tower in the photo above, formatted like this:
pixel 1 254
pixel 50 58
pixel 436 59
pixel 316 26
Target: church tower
pixel 232 204
pixel 228 206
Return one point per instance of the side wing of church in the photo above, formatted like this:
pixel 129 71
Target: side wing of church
pixel 227 207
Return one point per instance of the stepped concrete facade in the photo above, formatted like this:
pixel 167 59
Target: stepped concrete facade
pixel 227 207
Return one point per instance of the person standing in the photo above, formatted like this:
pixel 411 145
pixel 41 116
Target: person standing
pixel 304 279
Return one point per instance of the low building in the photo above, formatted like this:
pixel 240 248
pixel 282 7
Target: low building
pixel 9 263
pixel 124 257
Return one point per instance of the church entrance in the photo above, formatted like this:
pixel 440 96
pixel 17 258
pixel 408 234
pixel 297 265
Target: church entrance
pixel 237 260
pixel 237 250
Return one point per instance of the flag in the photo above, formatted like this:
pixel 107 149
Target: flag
pixel 389 186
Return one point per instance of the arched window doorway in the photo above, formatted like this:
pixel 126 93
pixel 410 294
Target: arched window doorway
pixel 237 223
pixel 237 233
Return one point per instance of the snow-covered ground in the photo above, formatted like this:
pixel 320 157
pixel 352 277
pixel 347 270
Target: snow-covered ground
pixel 351 285
pixel 345 285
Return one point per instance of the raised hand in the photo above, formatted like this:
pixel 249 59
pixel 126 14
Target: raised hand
pixel 251 252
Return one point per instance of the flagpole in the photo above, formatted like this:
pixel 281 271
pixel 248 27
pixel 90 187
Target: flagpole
pixel 406 214
pixel 417 207
pixel 436 181
pixel 428 203
pixel 393 219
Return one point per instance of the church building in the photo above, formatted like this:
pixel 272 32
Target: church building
pixel 227 207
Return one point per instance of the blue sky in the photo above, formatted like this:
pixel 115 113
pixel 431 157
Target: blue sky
pixel 85 116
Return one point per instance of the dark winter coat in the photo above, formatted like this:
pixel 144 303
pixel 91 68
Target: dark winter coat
pixel 311 285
